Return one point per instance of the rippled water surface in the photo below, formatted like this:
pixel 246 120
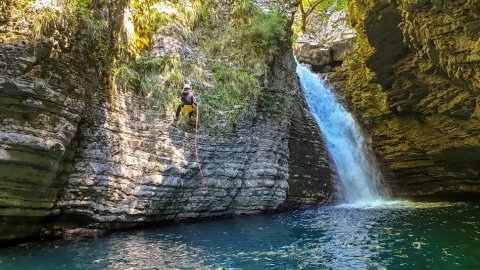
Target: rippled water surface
pixel 400 236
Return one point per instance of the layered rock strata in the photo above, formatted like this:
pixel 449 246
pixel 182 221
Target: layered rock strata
pixel 427 63
pixel 309 162
pixel 74 152
pixel 137 168
pixel 40 110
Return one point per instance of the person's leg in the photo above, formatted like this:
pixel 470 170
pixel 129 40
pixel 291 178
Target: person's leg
pixel 179 108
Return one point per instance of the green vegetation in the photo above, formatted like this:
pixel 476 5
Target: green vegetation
pixel 48 17
pixel 274 102
pixel 84 6
pixel 5 10
pixel 146 20
pixel 234 90
pixel 96 43
pixel 236 41
pixel 158 79
pixel 238 51
pixel 223 47
pixel 246 40
pixel 63 17
pixel 321 7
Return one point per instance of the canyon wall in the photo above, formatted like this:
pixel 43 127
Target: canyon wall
pixel 75 152
pixel 414 82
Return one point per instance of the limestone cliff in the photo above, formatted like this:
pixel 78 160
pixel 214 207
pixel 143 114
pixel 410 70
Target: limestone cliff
pixel 76 152
pixel 415 84
pixel 328 45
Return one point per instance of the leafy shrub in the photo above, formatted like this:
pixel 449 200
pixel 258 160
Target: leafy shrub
pixel 232 88
pixel 84 6
pixel 143 76
pixel 96 42
pixel 147 20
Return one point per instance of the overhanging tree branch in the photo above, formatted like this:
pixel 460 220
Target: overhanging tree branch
pixel 307 7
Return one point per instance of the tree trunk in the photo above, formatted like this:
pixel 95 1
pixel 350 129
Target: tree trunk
pixel 303 16
pixel 304 24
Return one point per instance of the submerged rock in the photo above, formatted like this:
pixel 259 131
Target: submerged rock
pixel 80 233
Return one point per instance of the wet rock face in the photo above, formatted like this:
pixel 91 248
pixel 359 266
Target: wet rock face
pixel 427 60
pixel 310 168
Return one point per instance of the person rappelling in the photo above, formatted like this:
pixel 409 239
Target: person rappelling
pixel 188 101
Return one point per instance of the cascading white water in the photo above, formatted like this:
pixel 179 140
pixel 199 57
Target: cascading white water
pixel 360 180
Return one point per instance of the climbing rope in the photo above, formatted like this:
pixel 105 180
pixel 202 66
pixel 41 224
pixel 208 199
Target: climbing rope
pixel 204 189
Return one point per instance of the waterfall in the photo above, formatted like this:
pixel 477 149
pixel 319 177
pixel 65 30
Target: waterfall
pixel 360 180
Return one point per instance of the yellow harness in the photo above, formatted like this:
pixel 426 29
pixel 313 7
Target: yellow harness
pixel 187 108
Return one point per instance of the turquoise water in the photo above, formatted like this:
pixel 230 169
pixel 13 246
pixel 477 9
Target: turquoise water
pixel 400 236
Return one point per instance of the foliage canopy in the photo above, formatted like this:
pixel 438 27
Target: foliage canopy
pixel 321 7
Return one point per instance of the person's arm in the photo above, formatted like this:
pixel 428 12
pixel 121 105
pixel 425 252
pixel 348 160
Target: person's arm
pixel 194 99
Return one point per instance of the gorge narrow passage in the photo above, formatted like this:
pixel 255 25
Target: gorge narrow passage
pixel 360 182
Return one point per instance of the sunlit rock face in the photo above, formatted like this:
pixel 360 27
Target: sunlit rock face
pixel 75 152
pixel 134 167
pixel 338 34
pixel 137 168
pixel 426 59
pixel 313 53
pixel 46 90
pixel 329 42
